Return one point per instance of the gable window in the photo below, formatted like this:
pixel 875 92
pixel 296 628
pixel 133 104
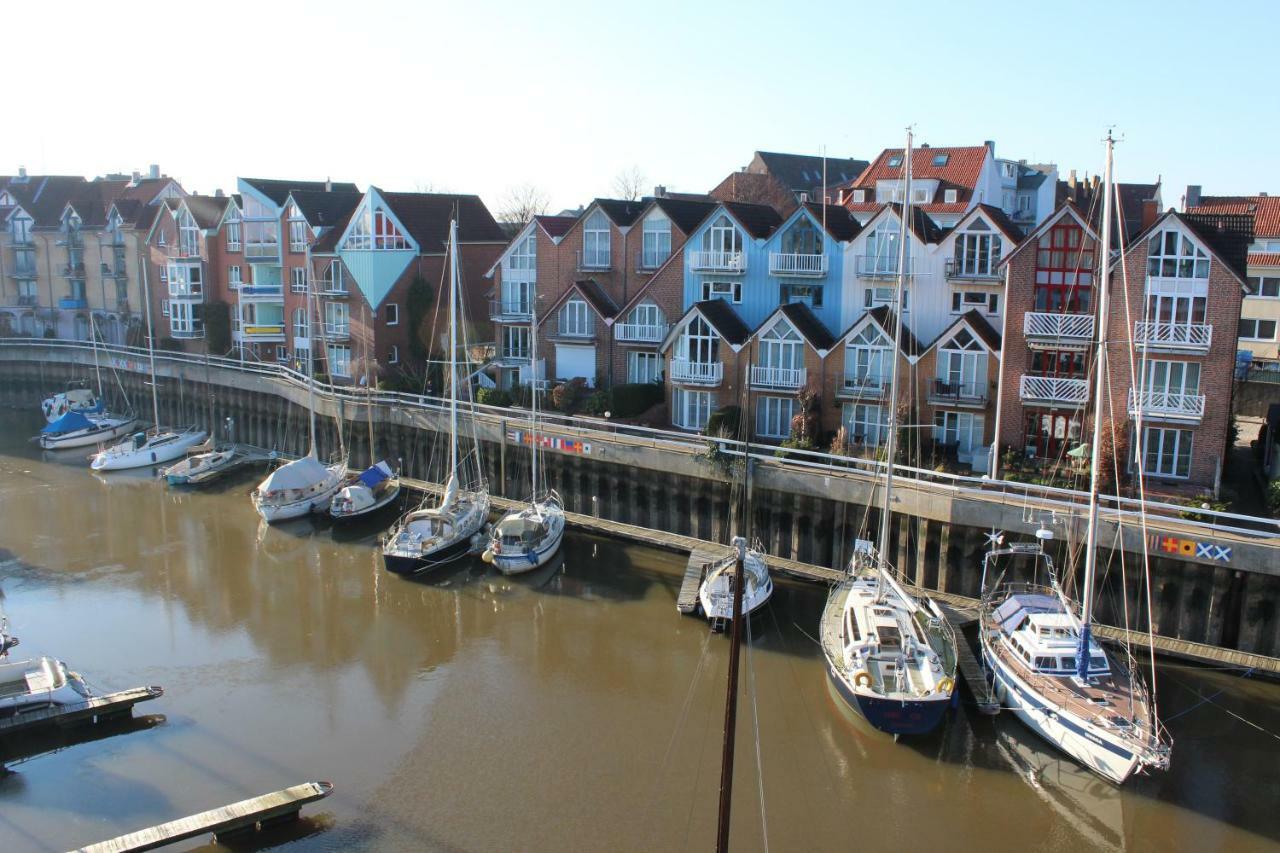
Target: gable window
pixel 802 239
pixel 595 241
pixel 1257 330
pixel 233 277
pixel 374 230
pixel 866 359
pixel 525 254
pixel 643 367
pixel 1064 269
pixel 656 241
pixel 386 235
pixel 773 416
pixel 781 347
pixel 644 323
pixel 233 230
pixel 301 324
pixel 977 252
pixel 297 230
pixel 722 237
pixel 962 367
pixel 866 423
pixel 188 235
pixel 298 280
pixel 575 319
pixel 690 409
pixel 391 314
pixel 1167 452
pixel 881 248
pixel 1171 254
pixel 729 291
pixel 20 229
pixel 160 239
pixel 334 279
pixel 699 343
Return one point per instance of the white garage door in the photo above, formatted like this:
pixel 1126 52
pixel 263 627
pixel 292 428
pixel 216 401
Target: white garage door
pixel 572 361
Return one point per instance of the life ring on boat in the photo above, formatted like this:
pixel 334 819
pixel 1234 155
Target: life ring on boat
pixel 946 685
pixel 862 678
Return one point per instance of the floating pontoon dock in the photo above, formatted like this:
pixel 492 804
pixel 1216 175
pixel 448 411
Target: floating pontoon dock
pixel 91 710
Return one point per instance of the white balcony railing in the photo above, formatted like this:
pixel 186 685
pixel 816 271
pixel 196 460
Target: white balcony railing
pixel 641 332
pixel 1175 336
pixel 696 372
pixel 763 376
pixel 718 261
pixel 868 385
pixel 1054 389
pixel 1065 328
pixel 1166 404
pixel 781 263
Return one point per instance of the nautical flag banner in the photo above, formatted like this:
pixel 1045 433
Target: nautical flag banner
pixel 1175 546
pixel 551 442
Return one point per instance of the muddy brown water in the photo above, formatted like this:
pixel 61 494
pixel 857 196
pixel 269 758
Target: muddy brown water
pixel 572 709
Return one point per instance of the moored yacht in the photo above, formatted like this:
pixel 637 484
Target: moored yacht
pixel 75 399
pixel 76 429
pixel 147 448
pixel 372 489
pixel 37 684
pixel 529 537
pixel 715 593
pixel 298 488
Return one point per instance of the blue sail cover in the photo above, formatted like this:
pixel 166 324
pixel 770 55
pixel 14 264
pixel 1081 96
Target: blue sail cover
pixel 375 475
pixel 70 422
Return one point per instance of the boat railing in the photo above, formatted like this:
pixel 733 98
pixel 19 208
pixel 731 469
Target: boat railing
pixel 1048 498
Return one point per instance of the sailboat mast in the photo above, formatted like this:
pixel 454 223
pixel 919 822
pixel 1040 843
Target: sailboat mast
pixel 533 370
pixel 891 445
pixel 1099 390
pixel 368 388
pixel 311 361
pixel 453 348
pixel 151 346
pixel 97 367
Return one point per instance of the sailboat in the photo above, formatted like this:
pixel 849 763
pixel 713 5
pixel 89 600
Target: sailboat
pixel 158 445
pixel 716 591
pixel 891 658
pixel 77 398
pixel 373 488
pixel 431 536
pixel 203 463
pixel 528 537
pixel 77 417
pixel 1038 644
pixel 305 485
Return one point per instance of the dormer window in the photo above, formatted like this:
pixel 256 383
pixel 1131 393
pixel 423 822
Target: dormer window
pixel 722 236
pixel 374 230
pixel 297 229
pixel 1171 254
pixel 859 196
pixel 656 240
pixel 951 196
pixel 595 241
pixel 920 195
pixel 941 159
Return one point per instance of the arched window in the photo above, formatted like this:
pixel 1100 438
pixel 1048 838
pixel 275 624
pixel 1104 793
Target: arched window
pixel 699 343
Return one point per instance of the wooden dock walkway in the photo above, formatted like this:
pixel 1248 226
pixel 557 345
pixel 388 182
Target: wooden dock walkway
pixel 700 559
pixel 967 663
pixel 246 815
pixel 92 709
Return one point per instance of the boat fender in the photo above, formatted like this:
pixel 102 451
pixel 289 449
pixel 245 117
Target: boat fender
pixel 862 678
pixel 946 685
pixel 487 556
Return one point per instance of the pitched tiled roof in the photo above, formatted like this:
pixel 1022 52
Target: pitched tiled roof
pixel 145 190
pixel 804 171
pixel 724 320
pixel 600 301
pixel 278 190
pixel 327 242
pixel 129 209
pixel 326 209
pixel 1264 259
pixel 685 214
pixel 960 172
pixel 427 216
pixel 840 223
pixel 1265 210
pixel 808 325
pixel 621 213
pixel 206 210
pixel 555 226
pixel 760 220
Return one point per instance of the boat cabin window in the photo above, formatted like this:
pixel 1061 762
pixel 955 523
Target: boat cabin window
pixel 1097 663
pixel 889 636
pixel 1046 663
pixel 1067 663
pixel 851 627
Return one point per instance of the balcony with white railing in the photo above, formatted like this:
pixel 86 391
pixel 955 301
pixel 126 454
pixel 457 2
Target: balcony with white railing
pixel 789 378
pixel 727 262
pixel 959 271
pixel 1172 337
pixel 696 372
pixel 1167 405
pixel 943 392
pixel 640 333
pixel 1064 390
pixel 260 292
pixel 181 333
pixel 867 386
pixel 333 289
pixel 511 310
pixel 880 266
pixel 790 264
pixel 186 290
pixel 1057 331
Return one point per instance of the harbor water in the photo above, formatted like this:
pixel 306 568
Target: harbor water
pixel 571 709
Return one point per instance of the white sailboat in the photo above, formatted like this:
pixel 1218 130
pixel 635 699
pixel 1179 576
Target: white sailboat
pixel 431 536
pixel 305 485
pixel 891 659
pixel 159 444
pixel 77 417
pixel 1039 646
pixel 372 489
pixel 715 593
pixel 76 398
pixel 33 685
pixel 528 537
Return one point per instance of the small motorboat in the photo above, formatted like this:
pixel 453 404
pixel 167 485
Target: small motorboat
pixel 432 536
pixel 298 488
pixel 81 400
pixel 76 429
pixel 37 684
pixel 716 591
pixel 203 463
pixel 527 538
pixel 374 488
pixel 143 449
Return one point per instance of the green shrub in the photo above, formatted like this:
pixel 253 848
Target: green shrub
pixel 217 327
pixel 636 398
pixel 725 422
pixel 567 395
pixel 599 403
pixel 1273 497
pixel 493 397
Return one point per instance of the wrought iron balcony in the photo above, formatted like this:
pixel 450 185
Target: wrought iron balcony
pixel 790 264
pixel 73 270
pixel 961 272
pixel 696 372
pixel 1166 405
pixel 948 393
pixel 641 332
pixel 791 378
pixel 867 386
pixel 1053 389
pixel 1175 337
pixel 728 262
pixel 1057 331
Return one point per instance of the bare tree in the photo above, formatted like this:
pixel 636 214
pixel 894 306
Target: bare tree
pixel 630 184
pixel 522 203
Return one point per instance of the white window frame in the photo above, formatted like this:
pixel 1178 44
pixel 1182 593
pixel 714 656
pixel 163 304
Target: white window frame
pixel 391 314
pixel 338 358
pixel 297 279
pixel 1172 254
pixel 182 318
pixel 699 343
pixel 596 241
pixel 164 307
pixel 393 354
pixel 966 427
pixel 515 342
pixel 188 235
pixel 773 416
pixel 1257 323
pixel 1171 376
pixel 337 318
pixel 576 320
pixel 1164 446
pixel 866 423
pixel 868 354
pixel 690 409
pixel 233 231
pixel 525 254
pixel 721 289
pixel 301 323
pixel 297 230
pixel 977 252
pixel 643 366
pixel 723 236
pixel 782 347
pixel 234 279
pixel 655 241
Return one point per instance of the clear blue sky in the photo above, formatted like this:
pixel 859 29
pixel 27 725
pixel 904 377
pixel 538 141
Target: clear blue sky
pixel 477 97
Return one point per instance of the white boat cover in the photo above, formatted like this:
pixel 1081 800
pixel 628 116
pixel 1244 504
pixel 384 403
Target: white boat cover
pixel 299 474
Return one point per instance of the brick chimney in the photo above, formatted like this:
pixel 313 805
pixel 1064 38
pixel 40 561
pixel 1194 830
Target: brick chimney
pixel 1193 196
pixel 1150 213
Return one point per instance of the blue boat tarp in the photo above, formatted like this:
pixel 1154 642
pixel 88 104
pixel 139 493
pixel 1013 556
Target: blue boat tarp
pixel 70 422
pixel 375 475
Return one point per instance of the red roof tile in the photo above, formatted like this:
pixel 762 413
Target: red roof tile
pixel 960 173
pixel 1265 210
pixel 1264 259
